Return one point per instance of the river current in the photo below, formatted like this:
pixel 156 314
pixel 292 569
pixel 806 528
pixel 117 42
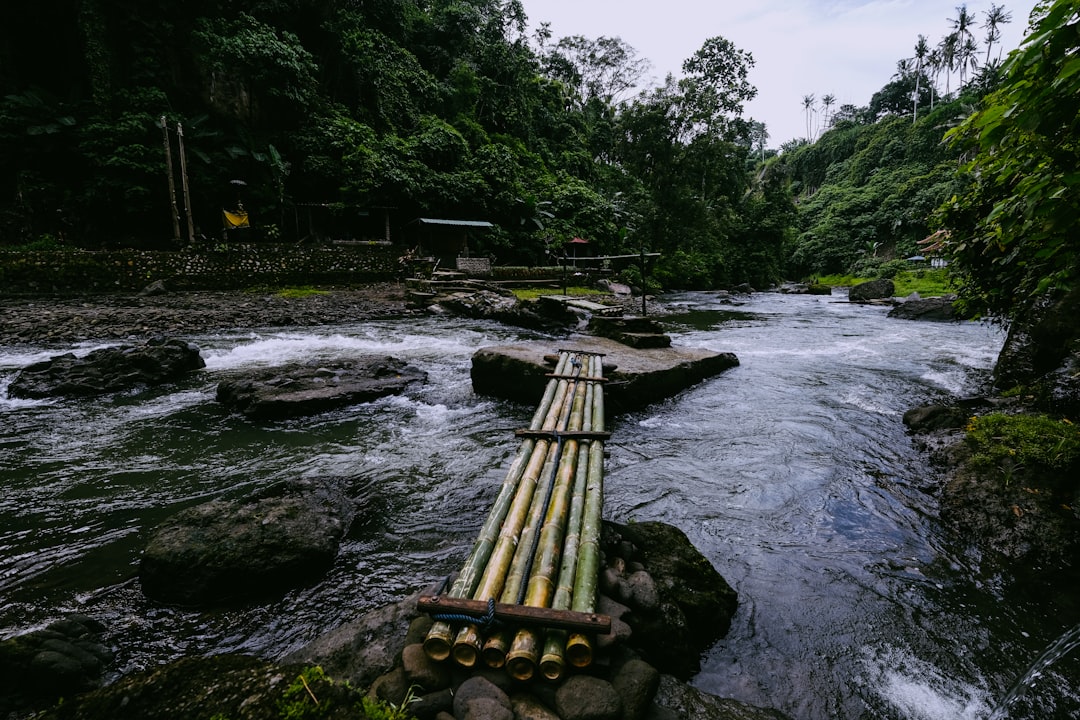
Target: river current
pixel 792 473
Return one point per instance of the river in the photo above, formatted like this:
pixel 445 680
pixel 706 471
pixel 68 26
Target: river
pixel 792 473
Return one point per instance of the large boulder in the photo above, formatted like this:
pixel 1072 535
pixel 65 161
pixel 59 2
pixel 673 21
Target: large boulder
pixel 684 608
pixel 107 370
pixel 637 332
pixel 935 308
pixel 880 289
pixel 62 659
pixel 637 376
pixel 301 390
pixel 228 551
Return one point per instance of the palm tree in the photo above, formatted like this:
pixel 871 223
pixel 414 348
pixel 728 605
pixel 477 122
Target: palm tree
pixel 996 16
pixel 808 107
pixel 922 48
pixel 933 61
pixel 827 101
pixel 965 40
pixel 947 51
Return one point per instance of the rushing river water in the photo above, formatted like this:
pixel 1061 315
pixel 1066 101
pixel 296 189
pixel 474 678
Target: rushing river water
pixel 792 473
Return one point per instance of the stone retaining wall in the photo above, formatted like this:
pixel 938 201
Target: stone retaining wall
pixel 219 267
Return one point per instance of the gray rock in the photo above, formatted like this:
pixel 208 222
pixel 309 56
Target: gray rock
pixel 695 603
pixel 643 594
pixel 692 704
pixel 62 659
pixel 430 705
pixel 107 370
pixel 935 308
pixel 880 289
pixel 641 376
pixel 928 418
pixel 391 687
pixel 225 551
pixel 308 389
pixel 636 683
pixel 583 697
pixel 422 670
pixel 527 706
pixel 482 693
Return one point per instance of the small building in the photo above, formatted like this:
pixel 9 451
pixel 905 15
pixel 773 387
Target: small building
pixel 445 240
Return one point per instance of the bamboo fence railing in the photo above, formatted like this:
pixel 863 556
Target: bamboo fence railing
pixel 525 598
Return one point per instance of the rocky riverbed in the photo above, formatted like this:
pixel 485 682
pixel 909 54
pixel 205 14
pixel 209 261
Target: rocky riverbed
pixel 54 320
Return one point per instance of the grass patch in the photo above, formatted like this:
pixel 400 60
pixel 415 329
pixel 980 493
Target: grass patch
pixel 1009 442
pixel 932 282
pixel 296 293
pixel 533 293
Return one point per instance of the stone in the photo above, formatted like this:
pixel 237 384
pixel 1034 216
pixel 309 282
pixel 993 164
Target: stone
pixel 391 687
pixel 107 370
pixel 928 418
pixel 936 308
pixel 695 603
pixel 880 289
pixel 583 697
pixel 430 705
pixel 689 702
pixel 422 670
pixel 527 706
pixel 301 390
pixel 64 658
pixel 642 376
pixel 479 690
pixel 635 683
pixel 643 594
pixel 227 551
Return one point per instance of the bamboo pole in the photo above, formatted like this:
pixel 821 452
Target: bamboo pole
pixel 552 660
pixel 437 644
pixel 579 646
pixel 524 654
pixel 173 211
pixel 467 644
pixel 184 183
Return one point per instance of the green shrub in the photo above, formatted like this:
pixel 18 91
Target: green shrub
pixel 1036 442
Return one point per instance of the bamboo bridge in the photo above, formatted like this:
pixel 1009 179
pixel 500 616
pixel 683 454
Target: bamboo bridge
pixel 525 598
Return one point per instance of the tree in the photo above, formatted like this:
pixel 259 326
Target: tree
pixel 948 49
pixel 714 88
pixel 965 40
pixel 922 49
pixel 1012 231
pixel 995 17
pixel 605 69
pixel 827 101
pixel 808 108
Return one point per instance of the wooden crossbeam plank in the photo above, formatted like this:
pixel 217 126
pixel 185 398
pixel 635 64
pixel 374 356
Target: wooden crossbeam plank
pixel 517 614
pixel 565 434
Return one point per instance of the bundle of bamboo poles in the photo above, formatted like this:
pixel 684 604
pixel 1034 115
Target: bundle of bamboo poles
pixel 539 546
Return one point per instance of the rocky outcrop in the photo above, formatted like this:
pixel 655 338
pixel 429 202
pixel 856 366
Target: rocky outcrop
pixel 636 377
pixel 935 308
pixel 228 551
pixel 108 370
pixel 502 306
pixel 679 604
pixel 637 332
pixel 880 289
pixel 60 660
pixel 301 390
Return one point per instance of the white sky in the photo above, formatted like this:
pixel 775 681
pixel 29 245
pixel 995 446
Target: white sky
pixel 847 48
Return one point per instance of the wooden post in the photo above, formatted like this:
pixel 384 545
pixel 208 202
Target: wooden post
pixel 184 181
pixel 172 184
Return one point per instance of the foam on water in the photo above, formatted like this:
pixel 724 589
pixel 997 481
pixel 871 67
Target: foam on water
pixel 919 690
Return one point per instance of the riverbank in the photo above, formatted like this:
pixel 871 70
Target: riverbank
pixel 67 319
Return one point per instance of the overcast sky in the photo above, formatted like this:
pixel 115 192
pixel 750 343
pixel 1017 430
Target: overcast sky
pixel 847 48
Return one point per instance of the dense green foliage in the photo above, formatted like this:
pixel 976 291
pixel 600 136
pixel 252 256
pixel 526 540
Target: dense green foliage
pixel 1012 227
pixel 438 109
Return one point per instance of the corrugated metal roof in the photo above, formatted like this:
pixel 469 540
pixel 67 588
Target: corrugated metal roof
pixel 459 223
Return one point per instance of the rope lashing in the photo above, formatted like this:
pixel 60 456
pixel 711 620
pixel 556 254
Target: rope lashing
pixel 487 620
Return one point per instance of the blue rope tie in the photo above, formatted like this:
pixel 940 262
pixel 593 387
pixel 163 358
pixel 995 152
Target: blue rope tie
pixel 487 620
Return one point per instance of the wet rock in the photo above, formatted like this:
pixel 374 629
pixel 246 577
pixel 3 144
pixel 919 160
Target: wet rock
pixel 60 660
pixel 880 289
pixel 695 604
pixel 635 683
pixel 108 370
pixel 643 593
pixel 478 698
pixel 689 702
pixel 929 418
pixel 637 332
pixel 527 706
pixel 226 551
pixel 583 697
pixel 233 686
pixel 430 705
pixel 420 670
pixel 308 389
pixel 936 308
pixel 641 376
